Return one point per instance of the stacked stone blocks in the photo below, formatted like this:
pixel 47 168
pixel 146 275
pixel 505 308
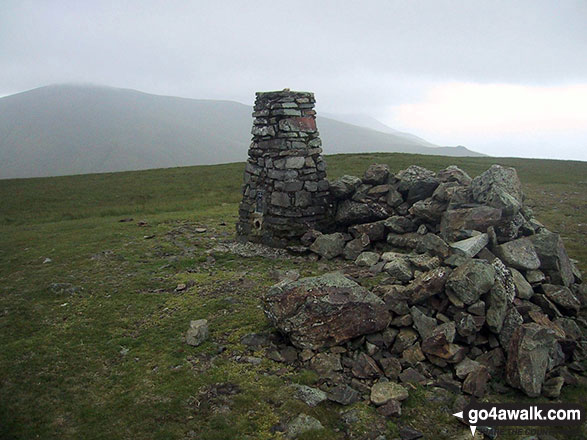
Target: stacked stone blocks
pixel 285 190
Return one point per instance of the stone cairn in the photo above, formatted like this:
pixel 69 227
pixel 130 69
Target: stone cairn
pixel 473 291
pixel 285 188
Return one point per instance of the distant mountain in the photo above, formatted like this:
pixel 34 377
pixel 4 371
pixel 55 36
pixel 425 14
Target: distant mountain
pixel 71 129
pixel 372 123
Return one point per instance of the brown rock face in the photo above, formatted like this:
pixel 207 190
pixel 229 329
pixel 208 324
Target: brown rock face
pixel 477 218
pixel 324 311
pixel 438 346
pixel 528 357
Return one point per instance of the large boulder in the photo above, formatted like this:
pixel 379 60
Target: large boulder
pixel 329 245
pixel 528 357
pixel 376 174
pixel 553 257
pixel 518 253
pixel 324 311
pixel 471 246
pixel 350 212
pixel 429 243
pixel 500 188
pixel 383 392
pixel 197 333
pixel 523 288
pixel 471 280
pixel 563 297
pixel 475 218
pixel 453 173
pixel 430 210
pixel 500 296
pixel 344 186
pixel 425 285
pixel 416 183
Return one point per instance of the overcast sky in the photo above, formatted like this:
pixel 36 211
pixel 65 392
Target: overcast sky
pixel 500 77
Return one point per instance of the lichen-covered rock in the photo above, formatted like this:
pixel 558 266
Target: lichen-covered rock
pixel 324 311
pixel 523 288
pixel 367 259
pixel 467 325
pixel 329 245
pixel 551 388
pixel 392 408
pixel 310 396
pixel 429 243
pixel 535 277
pixel 301 424
pixel 427 284
pixel 376 174
pixel 510 323
pixel 518 253
pixel 508 229
pixel 399 269
pixel 429 210
pixel 197 333
pixel 383 392
pixel 553 257
pixel 500 296
pixel 466 366
pixel 424 286
pixel 350 212
pixel 344 186
pixel 563 297
pixel 471 280
pixel 528 357
pixel 452 173
pixel 416 183
pixel 405 338
pixel 325 364
pixel 500 188
pixel 394 198
pixel 546 305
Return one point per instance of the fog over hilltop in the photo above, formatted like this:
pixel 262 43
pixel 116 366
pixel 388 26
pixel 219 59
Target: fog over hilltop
pixel 78 129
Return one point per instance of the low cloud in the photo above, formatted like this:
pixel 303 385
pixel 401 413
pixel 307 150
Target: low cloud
pixel 537 119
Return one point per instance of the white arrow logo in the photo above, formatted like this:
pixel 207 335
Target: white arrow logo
pixel 460 416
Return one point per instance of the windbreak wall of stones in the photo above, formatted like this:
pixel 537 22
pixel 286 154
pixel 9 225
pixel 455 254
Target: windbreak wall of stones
pixel 471 290
pixel 285 190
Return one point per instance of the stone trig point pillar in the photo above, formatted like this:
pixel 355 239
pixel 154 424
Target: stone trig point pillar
pixel 285 190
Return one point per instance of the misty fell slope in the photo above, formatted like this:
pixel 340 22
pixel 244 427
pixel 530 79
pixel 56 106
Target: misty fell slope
pixel 70 129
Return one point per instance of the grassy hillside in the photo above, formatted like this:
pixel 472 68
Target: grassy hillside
pixel 103 356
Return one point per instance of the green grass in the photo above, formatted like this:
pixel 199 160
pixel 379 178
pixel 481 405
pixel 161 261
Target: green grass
pixel 63 373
